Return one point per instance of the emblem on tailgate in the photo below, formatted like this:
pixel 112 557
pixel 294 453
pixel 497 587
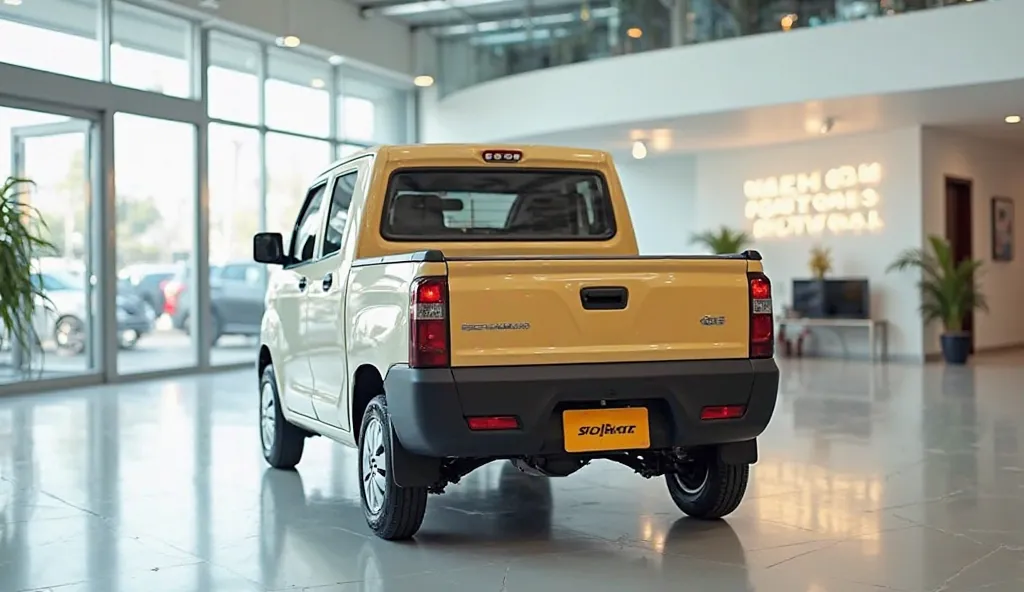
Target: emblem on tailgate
pixel 522 326
pixel 710 321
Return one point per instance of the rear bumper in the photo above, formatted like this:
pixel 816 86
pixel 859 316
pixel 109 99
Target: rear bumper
pixel 428 408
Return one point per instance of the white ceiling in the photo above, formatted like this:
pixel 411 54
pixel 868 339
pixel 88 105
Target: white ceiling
pixel 975 110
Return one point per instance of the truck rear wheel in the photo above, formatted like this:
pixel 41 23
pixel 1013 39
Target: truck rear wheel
pixel 707 488
pixel 392 512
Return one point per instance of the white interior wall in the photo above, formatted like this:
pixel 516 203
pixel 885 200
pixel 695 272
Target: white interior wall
pixel 910 52
pixel 720 201
pixel 995 169
pixel 660 194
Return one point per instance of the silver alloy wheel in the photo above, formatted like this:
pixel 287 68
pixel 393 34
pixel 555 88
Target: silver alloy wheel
pixel 268 416
pixel 374 467
pixel 69 334
pixel 692 481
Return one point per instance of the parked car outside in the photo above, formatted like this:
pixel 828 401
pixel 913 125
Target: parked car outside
pixel 147 281
pixel 237 291
pixel 62 316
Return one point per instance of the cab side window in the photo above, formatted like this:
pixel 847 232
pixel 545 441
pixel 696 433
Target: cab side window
pixel 307 225
pixel 337 215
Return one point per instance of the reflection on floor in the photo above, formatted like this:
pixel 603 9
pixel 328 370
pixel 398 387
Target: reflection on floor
pixel 161 350
pixel 871 478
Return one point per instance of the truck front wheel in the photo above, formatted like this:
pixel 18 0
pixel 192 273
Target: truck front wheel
pixel 282 442
pixel 392 512
pixel 707 488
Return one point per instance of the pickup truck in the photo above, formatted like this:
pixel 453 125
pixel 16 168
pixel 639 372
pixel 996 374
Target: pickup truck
pixel 440 307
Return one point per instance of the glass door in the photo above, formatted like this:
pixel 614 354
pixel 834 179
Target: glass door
pixel 54 152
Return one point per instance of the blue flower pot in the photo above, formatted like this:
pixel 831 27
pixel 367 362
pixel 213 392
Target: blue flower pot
pixel 956 348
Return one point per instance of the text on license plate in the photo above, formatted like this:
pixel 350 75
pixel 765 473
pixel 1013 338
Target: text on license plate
pixel 591 430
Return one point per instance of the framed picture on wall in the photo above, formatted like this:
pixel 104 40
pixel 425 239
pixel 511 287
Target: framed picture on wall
pixel 1002 229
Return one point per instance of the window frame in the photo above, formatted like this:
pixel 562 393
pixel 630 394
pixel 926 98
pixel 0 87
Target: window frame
pixel 356 170
pixel 610 234
pixel 320 183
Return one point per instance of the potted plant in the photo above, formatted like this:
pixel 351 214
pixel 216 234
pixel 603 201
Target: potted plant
pixel 723 241
pixel 821 262
pixel 22 238
pixel 949 290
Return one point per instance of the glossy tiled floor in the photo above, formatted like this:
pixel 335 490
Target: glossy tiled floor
pixel 899 478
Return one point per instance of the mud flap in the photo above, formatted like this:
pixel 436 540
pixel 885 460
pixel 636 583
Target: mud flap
pixel 412 470
pixel 738 453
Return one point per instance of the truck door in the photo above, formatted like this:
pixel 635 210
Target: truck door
pixel 326 330
pixel 291 286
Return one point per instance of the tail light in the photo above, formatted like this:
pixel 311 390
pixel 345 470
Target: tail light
pixel 172 290
pixel 762 324
pixel 492 423
pixel 428 326
pixel 722 412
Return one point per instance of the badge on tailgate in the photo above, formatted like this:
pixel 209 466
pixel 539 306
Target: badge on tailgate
pixel 592 430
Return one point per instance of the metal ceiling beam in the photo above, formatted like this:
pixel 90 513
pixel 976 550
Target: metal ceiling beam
pixel 368 10
pixel 437 26
pixel 382 8
pixel 504 21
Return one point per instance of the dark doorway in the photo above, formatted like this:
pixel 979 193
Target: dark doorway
pixel 958 230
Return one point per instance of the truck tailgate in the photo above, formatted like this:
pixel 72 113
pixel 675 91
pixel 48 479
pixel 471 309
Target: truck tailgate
pixel 508 312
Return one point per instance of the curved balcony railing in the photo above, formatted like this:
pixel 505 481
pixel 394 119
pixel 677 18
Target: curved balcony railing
pixel 558 32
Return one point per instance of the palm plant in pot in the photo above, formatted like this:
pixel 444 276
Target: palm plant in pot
pixel 22 239
pixel 723 241
pixel 949 291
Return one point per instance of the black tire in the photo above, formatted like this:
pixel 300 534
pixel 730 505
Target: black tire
pixel 69 335
pixel 709 489
pixel 215 329
pixel 128 343
pixel 286 442
pixel 401 509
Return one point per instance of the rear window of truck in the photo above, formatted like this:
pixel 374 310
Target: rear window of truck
pixel 510 205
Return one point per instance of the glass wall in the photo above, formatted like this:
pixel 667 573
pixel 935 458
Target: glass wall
pixel 59 36
pixel 155 226
pixel 122 189
pixel 488 40
pixel 53 151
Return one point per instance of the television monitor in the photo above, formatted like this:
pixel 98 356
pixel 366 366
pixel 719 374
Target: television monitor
pixel 847 298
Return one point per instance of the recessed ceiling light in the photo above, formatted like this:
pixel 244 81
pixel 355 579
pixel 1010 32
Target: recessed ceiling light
pixel 1012 119
pixel 317 83
pixel 423 80
pixel 336 60
pixel 635 32
pixel 639 149
pixel 289 41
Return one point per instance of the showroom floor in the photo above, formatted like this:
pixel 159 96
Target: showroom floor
pixel 871 478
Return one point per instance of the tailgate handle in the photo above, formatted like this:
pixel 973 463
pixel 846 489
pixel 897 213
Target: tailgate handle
pixel 604 298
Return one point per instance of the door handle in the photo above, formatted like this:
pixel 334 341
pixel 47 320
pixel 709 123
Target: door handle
pixel 328 281
pixel 302 284
pixel 612 298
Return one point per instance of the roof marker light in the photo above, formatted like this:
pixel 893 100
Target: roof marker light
pixel 502 156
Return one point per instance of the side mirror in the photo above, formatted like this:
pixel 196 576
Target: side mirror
pixel 268 247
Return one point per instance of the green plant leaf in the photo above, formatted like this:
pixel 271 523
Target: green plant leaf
pixel 723 241
pixel 949 290
pixel 22 239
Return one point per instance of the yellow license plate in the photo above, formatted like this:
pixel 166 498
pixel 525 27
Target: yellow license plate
pixel 592 430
